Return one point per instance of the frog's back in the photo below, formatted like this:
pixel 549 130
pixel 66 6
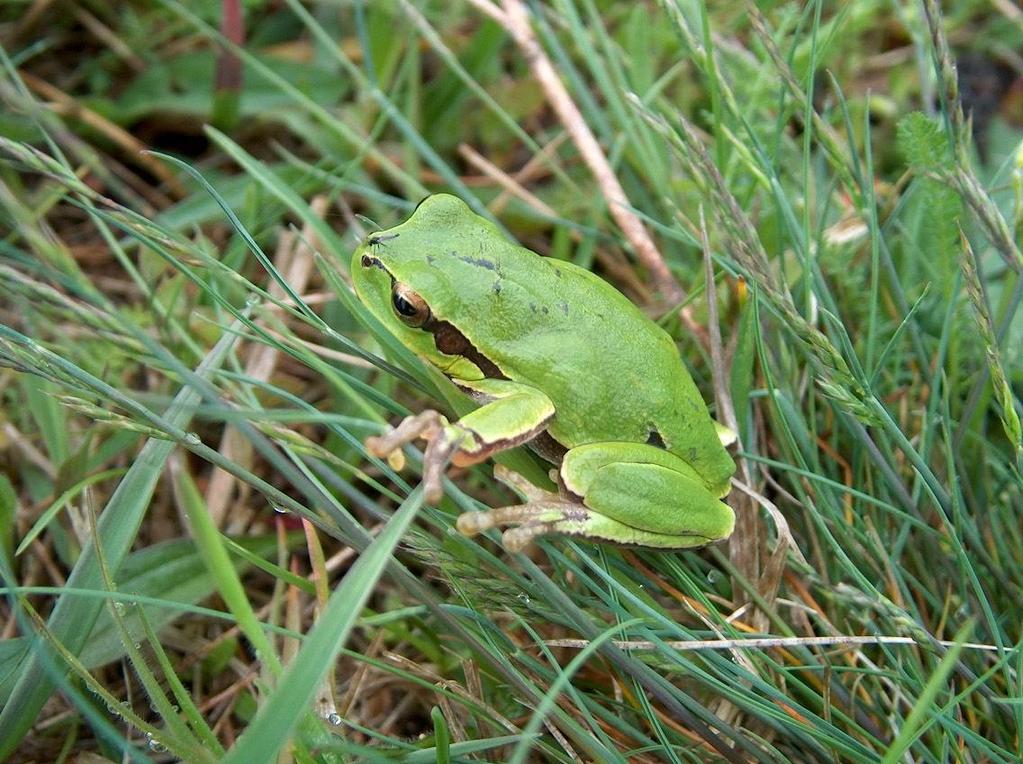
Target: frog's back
pixel 612 373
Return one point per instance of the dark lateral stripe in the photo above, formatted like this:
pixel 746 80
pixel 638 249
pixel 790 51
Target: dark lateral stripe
pixel 547 448
pixel 450 341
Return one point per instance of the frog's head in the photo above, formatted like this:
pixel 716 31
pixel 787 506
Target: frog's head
pixel 426 278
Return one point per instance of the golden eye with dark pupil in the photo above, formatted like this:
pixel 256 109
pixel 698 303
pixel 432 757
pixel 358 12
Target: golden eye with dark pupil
pixel 411 309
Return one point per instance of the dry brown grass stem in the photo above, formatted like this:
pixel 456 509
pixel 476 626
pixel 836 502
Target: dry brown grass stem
pixel 504 180
pixel 515 19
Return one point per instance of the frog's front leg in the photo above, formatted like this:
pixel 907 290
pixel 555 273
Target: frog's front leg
pixel 623 493
pixel 512 414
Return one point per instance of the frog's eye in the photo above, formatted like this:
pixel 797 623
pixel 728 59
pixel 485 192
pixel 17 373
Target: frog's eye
pixel 412 309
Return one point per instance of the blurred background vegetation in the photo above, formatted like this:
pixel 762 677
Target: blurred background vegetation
pixel 199 560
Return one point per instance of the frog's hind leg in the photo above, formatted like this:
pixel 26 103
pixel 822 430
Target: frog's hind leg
pixel 621 493
pixel 564 518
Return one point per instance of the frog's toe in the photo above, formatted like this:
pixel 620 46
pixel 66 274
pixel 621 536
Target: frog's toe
pixel 444 444
pixel 533 519
pixel 435 460
pixel 423 425
pixel 517 539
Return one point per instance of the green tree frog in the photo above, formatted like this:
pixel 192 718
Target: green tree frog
pixel 557 359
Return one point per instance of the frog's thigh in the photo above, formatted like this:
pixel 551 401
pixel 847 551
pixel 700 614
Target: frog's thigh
pixel 512 414
pixel 648 489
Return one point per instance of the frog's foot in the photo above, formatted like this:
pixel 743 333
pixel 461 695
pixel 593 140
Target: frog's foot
pixel 444 441
pixel 534 519
pixel 546 512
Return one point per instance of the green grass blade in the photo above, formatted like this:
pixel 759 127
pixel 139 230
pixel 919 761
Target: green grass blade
pixel 268 733
pixel 926 703
pixel 71 621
